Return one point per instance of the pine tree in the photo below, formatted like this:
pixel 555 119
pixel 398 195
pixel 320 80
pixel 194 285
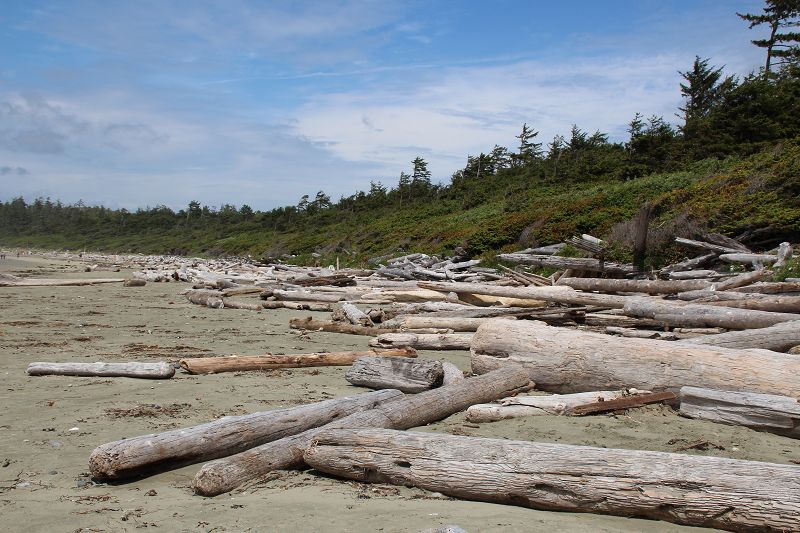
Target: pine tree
pixel 777 15
pixel 528 150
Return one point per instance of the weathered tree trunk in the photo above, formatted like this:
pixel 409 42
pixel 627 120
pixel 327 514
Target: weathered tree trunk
pixel 775 304
pixel 763 412
pixel 307 296
pixel 689 264
pixel 746 278
pixel 421 341
pixel 696 315
pixel 779 338
pixel 42 282
pixel 229 435
pixel 641 334
pixel 239 363
pixel 423 322
pixel 729 494
pixel 749 259
pixel 634 285
pixel 554 404
pixel 452 374
pixel 784 254
pixel 612 320
pixel 401 373
pixel 558 294
pixel 707 246
pixel 566 360
pixel 127 370
pixel 310 324
pixel 628 402
pixel 775 287
pixel 355 315
pixel 578 263
pixel 230 303
pixel 204 297
pixel 407 412
pixel 297 306
pixel 692 274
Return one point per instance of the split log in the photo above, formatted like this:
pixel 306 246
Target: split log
pixel 779 338
pixel 628 402
pixel 634 285
pixel 238 363
pixel 749 259
pixel 578 263
pixel 557 294
pixel 452 374
pixel 355 315
pixel 297 306
pixel 403 413
pixel 554 404
pixel 762 412
pixel 421 341
pixel 43 282
pixel 423 322
pixel 744 496
pixel 566 360
pixel 401 373
pixel 125 370
pixel 697 315
pixel 707 246
pixel 229 435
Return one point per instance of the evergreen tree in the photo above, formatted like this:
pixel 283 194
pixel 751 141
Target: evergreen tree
pixel 701 91
pixel 420 178
pixel 528 150
pixel 777 15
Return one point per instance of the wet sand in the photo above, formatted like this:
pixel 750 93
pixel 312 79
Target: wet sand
pixel 50 425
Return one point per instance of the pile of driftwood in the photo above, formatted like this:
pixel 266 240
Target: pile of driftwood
pixel 430 267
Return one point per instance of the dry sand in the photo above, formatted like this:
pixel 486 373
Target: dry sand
pixel 50 425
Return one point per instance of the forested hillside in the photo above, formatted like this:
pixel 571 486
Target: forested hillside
pixel 732 165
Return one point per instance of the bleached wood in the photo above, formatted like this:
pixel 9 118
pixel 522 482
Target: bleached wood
pixel 406 412
pixel 780 338
pixel 706 246
pixel 306 296
pixel 229 435
pixel 452 374
pixel 128 370
pixel 297 306
pixel 355 315
pixel 566 360
pixel 692 274
pixel 689 264
pixel 749 259
pixel 421 322
pixel 633 285
pixel 421 341
pixel 401 373
pixel 697 315
pixel 763 412
pixel 239 363
pixel 44 282
pixel 558 294
pixel 740 280
pixel 641 333
pixel 784 254
pixel 554 404
pixel 578 263
pixel 743 496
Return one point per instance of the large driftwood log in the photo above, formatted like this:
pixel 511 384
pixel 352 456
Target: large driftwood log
pixel 226 436
pixel 307 296
pixel 779 338
pixel 422 341
pixel 423 322
pixel 692 274
pixel 774 287
pixel 43 282
pixel 749 259
pixel 634 285
pixel 707 246
pixel 401 373
pixel 554 404
pixel 407 412
pixel 775 304
pixel 127 370
pixel 297 306
pixel 557 294
pixel 239 363
pixel 310 324
pixel 452 374
pixel 697 315
pixel 741 280
pixel 355 315
pixel 566 360
pixel 578 263
pixel 689 264
pixel 693 490
pixel 763 412
pixel 204 297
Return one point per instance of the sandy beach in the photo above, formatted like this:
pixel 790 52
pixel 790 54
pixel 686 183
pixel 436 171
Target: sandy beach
pixel 50 425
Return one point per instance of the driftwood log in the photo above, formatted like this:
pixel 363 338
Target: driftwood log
pixel 437 322
pixel 779 338
pixel 401 373
pixel 729 494
pixel 43 282
pixel 634 285
pixel 697 315
pixel 407 412
pixel 239 363
pixel 297 306
pixel 763 412
pixel 567 360
pixel 229 435
pixel 355 315
pixel 127 370
pixel 577 263
pixel 423 341
pixel 559 294
pixel 452 374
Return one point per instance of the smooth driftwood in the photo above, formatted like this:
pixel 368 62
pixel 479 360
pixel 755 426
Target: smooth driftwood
pixel 763 412
pixel 554 404
pixel 205 297
pixel 779 338
pixel 297 306
pixel 744 496
pixel 307 296
pixel 239 363
pixel 422 341
pixel 749 259
pixel 698 315
pixel 401 373
pixel 741 280
pixel 577 263
pixel 567 360
pixel 355 315
pixel 44 282
pixel 775 287
pixel 422 322
pixel 558 294
pixel 707 246
pixel 125 370
pixel 634 285
pixel 692 274
pixel 227 436
pixel 410 411
pixel 775 304
pixel 452 374
pixel 689 264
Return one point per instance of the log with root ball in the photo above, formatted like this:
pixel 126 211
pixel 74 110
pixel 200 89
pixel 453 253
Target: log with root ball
pixel 566 360
pixel 239 363
pixel 126 370
pixel 229 435
pixel 401 373
pixel 407 412
pixel 703 491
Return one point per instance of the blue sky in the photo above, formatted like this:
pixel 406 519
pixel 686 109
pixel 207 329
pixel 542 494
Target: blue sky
pixel 148 102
